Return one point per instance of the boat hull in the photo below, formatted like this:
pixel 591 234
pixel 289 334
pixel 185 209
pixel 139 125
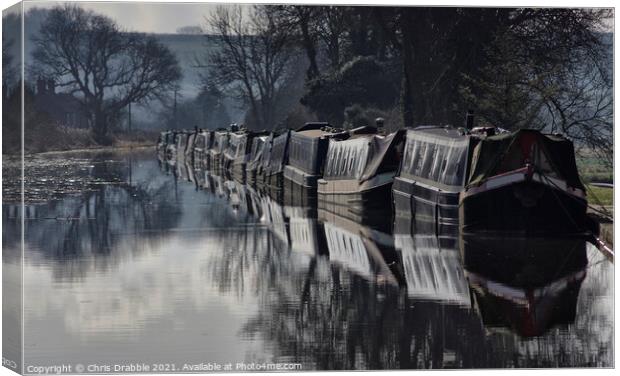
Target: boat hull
pixel 366 204
pixel 428 204
pixel 527 208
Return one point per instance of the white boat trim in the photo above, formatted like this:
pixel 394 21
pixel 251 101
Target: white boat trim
pixel 328 187
pixel 521 175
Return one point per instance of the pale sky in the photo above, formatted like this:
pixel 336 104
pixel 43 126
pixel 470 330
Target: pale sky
pixel 144 16
pixel 160 17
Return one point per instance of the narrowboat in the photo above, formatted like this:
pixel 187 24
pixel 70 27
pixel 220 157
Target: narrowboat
pixel 274 160
pixel 181 144
pixel 219 145
pixel 358 174
pixel 523 182
pixel 238 153
pixel 236 140
pixel 189 148
pixel 201 148
pixel 431 176
pixel 306 156
pixel 255 158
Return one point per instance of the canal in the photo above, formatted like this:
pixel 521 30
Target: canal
pixel 128 260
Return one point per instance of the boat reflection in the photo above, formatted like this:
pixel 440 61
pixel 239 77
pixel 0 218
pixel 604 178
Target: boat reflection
pixel 519 285
pixel 527 285
pixel 368 252
pixel 431 263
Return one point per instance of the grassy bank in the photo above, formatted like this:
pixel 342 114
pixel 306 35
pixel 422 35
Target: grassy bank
pixel 50 139
pixel 592 169
pixel 600 196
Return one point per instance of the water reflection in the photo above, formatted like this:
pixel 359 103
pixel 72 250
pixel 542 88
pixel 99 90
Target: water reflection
pixel 178 264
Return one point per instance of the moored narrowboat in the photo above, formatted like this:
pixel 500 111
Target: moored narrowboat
pixel 255 158
pixel 523 182
pixel 274 161
pixel 238 153
pixel 201 148
pixel 359 172
pixel 189 147
pixel 307 151
pixel 181 144
pixel 431 176
pixel 236 140
pixel 219 145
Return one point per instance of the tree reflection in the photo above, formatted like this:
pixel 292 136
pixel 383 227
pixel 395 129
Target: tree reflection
pixel 94 222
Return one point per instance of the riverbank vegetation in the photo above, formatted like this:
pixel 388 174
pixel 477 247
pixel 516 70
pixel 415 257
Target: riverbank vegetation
pixel 278 66
pixel 81 78
pixel 544 68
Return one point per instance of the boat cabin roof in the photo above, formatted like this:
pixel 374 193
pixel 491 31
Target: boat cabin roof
pixel 440 131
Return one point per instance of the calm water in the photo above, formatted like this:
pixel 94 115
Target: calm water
pixel 147 263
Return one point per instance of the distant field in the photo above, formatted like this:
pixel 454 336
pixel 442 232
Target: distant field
pixel 600 196
pixel 591 169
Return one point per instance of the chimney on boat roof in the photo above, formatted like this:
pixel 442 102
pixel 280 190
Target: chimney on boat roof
pixel 379 123
pixel 469 120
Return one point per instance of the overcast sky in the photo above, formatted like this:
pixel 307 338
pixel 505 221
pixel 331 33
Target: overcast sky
pixel 144 16
pixel 165 17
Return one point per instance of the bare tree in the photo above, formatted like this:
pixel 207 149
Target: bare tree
pixel 253 59
pixel 550 69
pixel 331 28
pixel 300 20
pixel 88 55
pixel 545 68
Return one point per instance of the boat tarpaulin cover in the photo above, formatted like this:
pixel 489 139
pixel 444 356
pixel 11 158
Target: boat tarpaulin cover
pixel 438 155
pixel 552 155
pixel 236 145
pixel 384 154
pixel 256 153
pixel 191 140
pixel 308 146
pixel 359 158
pixel 201 140
pixel 220 141
pixel 347 159
pixel 304 153
pixel 278 153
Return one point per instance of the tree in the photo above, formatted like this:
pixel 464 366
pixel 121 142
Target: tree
pixel 539 68
pixel 300 21
pixel 555 66
pixel 331 27
pixel 88 55
pixel 253 59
